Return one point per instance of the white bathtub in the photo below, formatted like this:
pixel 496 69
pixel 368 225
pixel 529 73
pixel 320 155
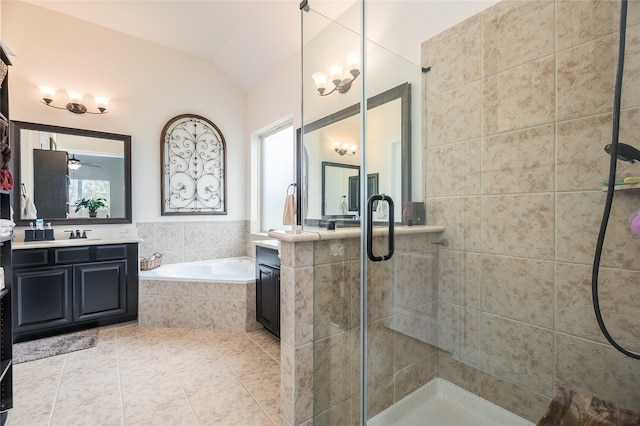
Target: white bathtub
pixel 239 270
pixel 213 295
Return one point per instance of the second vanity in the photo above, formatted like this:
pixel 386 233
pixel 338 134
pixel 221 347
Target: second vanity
pixel 69 285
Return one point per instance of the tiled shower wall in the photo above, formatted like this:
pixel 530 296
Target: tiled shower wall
pixel 192 241
pixel 518 109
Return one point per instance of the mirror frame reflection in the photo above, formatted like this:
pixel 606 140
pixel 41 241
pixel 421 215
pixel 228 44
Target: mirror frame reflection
pixel 402 92
pixel 18 126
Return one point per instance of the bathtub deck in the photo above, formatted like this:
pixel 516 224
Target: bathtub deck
pixel 444 404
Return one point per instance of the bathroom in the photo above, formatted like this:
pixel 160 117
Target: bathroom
pixel 516 184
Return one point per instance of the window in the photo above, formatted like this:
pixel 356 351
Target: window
pixel 88 188
pixel 277 172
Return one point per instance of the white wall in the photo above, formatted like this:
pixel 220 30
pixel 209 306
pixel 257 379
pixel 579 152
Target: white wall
pixel 148 84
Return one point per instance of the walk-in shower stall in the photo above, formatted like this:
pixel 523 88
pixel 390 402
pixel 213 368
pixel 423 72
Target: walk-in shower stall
pixel 463 174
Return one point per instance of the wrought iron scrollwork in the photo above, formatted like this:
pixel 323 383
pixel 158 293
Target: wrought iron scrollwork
pixel 193 167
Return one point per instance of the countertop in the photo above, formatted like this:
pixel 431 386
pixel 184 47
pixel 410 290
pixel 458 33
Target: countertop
pixel 72 242
pixel 349 232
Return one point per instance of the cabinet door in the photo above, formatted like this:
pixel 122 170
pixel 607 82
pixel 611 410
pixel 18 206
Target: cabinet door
pixel 41 298
pixel 100 290
pixel 268 298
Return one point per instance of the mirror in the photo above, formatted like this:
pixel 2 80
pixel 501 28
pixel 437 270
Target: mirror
pixel 53 167
pixel 326 183
pixel 343 180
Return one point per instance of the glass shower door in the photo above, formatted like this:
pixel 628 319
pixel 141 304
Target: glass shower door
pixel 362 161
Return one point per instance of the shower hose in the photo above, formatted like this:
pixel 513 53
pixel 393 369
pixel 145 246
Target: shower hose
pixel 612 178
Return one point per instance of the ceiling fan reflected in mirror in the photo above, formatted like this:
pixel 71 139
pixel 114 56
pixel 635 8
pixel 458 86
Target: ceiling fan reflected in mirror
pixel 74 163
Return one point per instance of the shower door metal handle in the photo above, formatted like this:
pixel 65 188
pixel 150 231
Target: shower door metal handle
pixel 389 253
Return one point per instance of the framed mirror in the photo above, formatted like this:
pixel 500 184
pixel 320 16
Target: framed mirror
pixel 55 168
pixel 326 173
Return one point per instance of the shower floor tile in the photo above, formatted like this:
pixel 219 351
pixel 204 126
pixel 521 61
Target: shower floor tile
pixel 440 403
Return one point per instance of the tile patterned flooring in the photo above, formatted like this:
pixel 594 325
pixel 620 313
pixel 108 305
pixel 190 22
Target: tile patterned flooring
pixel 154 376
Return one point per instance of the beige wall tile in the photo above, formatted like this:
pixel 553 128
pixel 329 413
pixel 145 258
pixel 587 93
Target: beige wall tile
pixel 410 351
pixel 583 21
pixel 515 351
pixel 296 305
pixel 381 348
pixel 454 116
pixel 380 396
pixel 618 295
pixel 631 79
pixel 461 218
pixel 520 97
pixel 518 400
pixel 579 216
pixel 589 367
pixel 407 243
pixel 518 35
pixel 331 371
pixel 518 162
pixel 380 294
pixel 519 225
pixel 459 373
pixel 329 251
pixel 411 280
pixel 581 161
pixel 455 61
pixel 586 75
pixel 331 299
pixel 337 415
pixel 296 255
pixel 455 169
pixel 412 378
pixel 518 288
pixel 459 277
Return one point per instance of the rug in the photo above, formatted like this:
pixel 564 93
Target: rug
pixel 56 345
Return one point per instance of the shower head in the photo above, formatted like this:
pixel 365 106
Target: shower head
pixel 625 152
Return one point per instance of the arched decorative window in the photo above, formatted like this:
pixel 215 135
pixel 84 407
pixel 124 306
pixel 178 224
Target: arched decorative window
pixel 193 167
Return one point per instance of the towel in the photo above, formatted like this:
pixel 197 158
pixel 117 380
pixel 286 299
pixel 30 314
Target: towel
pixel 382 209
pixel 572 408
pixel 28 208
pixel 290 213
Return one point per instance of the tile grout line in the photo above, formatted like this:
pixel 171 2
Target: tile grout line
pixel 186 397
pixel 115 338
pixel 55 398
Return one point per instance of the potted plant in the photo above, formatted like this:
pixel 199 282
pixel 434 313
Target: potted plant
pixel 91 204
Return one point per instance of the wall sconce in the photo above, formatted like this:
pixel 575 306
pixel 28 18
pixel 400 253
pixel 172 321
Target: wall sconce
pixel 345 149
pixel 75 102
pixel 341 80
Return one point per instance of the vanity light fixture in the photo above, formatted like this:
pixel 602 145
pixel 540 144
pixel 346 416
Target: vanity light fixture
pixel 340 79
pixel 75 102
pixel 345 149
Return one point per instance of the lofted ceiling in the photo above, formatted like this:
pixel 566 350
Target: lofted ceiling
pixel 249 39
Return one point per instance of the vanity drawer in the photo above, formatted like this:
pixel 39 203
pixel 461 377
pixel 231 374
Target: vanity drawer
pixel 71 254
pixel 33 257
pixel 112 251
pixel 267 256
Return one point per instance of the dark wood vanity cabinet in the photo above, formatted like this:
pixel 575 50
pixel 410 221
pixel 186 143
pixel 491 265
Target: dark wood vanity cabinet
pixel 64 289
pixel 268 289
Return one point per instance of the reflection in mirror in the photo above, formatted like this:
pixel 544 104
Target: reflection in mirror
pixel 57 166
pixel 338 189
pixel 388 153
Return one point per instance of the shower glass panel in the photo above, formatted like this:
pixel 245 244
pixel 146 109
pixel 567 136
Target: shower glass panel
pixel 402 320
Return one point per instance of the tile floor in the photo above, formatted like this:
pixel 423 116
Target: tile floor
pixel 154 376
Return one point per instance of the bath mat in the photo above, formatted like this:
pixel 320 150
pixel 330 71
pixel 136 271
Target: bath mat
pixel 56 345
pixel 571 408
